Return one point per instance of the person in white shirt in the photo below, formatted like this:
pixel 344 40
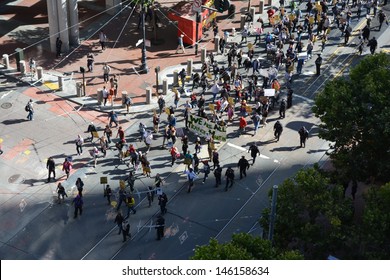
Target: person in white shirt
pixel 105 95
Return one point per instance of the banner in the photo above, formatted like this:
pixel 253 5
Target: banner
pixel 204 127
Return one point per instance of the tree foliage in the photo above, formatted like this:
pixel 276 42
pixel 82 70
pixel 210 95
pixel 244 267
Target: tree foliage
pixel 243 246
pixel 375 229
pixel 312 215
pixel 355 117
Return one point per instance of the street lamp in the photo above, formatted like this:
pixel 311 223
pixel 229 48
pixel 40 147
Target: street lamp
pixel 273 213
pixel 144 67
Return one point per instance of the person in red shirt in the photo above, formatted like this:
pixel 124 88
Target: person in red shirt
pixel 243 124
pixel 121 134
pixel 174 154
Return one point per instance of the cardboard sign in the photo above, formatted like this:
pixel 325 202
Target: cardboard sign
pixel 103 180
pixel 269 92
pixel 248 109
pixel 212 107
pixel 204 127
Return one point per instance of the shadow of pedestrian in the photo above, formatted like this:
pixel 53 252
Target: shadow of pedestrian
pixel 14 121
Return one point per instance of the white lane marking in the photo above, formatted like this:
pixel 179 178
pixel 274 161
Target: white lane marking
pixel 5 94
pixel 237 147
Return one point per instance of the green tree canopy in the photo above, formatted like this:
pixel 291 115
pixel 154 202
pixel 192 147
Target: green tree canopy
pixel 375 229
pixel 355 117
pixel 312 215
pixel 243 246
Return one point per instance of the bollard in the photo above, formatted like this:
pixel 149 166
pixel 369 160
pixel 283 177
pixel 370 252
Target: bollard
pixel 148 95
pixel 40 73
pixel 124 96
pixel 165 86
pixel 242 23
pixel 6 61
pixel 60 83
pixel 216 44
pixel 261 7
pixel 189 66
pixel 19 57
pixel 175 78
pixel 203 55
pixel 233 32
pixel 99 93
pixel 22 67
pixel 79 89
pixel 253 13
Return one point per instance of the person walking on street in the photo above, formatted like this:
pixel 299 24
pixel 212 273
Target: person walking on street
pixel 150 195
pixel 174 154
pixel 282 109
pixel 67 167
pixel 51 167
pixel 162 201
pixel 105 95
pixel 30 110
pixel 229 174
pixel 119 220
pixel 107 194
pixel 79 144
pixel 130 203
pixel 191 177
pixel 78 205
pixel 318 63
pixel 180 44
pixel 106 72
pixel 102 40
pixel 125 230
pixel 160 224
pixel 373 44
pixel 113 117
pixel 108 133
pixel 242 125
pixel 92 129
pixel 206 170
pixel 61 192
pixel 90 61
pixel 278 129
pixel 243 164
pixel 80 186
pixel 256 123
pixel 303 135
pixel 254 150
pixel 218 175
pixel 121 134
pixel 381 17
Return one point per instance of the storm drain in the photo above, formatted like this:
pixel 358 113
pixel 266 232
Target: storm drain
pixel 6 105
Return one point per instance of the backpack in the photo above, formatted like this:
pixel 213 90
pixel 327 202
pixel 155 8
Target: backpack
pixel 27 108
pixel 130 201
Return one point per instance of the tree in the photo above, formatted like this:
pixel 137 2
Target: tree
pixel 312 215
pixel 375 228
pixel 243 247
pixel 356 119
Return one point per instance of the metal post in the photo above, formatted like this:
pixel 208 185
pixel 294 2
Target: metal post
pixel 203 55
pixel 197 33
pixel 84 83
pixel 144 68
pixel 273 212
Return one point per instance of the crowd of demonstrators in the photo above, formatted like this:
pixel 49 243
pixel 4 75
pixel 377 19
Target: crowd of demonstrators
pixel 236 88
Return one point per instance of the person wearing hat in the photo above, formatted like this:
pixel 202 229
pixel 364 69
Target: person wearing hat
pixel 318 63
pixel 180 44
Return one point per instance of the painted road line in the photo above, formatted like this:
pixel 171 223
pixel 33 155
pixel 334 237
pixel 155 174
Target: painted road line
pixel 5 94
pixel 237 147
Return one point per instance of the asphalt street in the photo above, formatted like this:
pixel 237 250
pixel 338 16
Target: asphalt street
pixel 35 226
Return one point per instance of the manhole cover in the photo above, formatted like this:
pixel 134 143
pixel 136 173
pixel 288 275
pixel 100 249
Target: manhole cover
pixel 15 179
pixel 6 105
